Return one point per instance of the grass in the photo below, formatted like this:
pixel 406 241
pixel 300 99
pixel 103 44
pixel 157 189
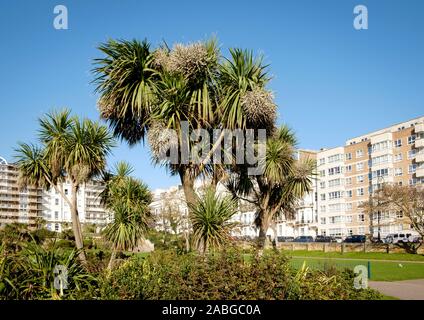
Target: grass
pixel 358 255
pixel 380 270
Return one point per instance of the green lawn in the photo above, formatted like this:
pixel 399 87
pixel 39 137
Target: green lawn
pixel 380 270
pixel 358 255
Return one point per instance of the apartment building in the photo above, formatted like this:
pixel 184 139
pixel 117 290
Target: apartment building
pixel 305 221
pixel 57 211
pixel 25 206
pixel 349 174
pixel 16 205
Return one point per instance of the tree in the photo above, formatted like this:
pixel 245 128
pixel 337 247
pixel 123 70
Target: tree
pixel 211 220
pixel 128 200
pixel 71 150
pixel 407 200
pixel 285 181
pixel 145 91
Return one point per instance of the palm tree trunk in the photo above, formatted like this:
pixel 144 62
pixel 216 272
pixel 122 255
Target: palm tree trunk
pixel 76 225
pixel 263 228
pixel 112 259
pixel 188 186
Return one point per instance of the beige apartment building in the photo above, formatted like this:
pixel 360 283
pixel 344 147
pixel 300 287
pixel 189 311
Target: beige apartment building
pixel 349 174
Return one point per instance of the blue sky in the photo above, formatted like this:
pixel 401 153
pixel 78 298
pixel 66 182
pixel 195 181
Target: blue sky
pixel 331 82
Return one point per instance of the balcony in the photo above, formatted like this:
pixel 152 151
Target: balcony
pixel 419 143
pixel 419 157
pixel 419 173
pixel 419 128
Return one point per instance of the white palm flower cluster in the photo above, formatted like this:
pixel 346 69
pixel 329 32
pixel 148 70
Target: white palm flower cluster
pixel 107 110
pixel 189 60
pixel 259 107
pixel 161 140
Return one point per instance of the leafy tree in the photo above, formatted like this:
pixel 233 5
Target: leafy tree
pixel 408 200
pixel 285 181
pixel 71 150
pixel 211 220
pixel 145 91
pixel 128 200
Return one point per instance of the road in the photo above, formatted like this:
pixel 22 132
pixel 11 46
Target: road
pixel 404 290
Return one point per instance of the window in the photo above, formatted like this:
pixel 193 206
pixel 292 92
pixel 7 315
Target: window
pixel 361 230
pixel 361 217
pixel 322 220
pixel 348 181
pixel 336 219
pixel 398 172
pixel 349 193
pixel 348 156
pixel 333 171
pixel 56 202
pixel 412 168
pixel 66 192
pixel 381 159
pixel 349 168
pixel 398 157
pixel 359 153
pixel 337 207
pixel 411 139
pixel 398 143
pixel 334 183
pixel 349 207
pixel 56 227
pixel 348 219
pixel 323 196
pixel 380 173
pixel 412 153
pixel 399 214
pixel 379 146
pixel 335 195
pixel 322 208
pixel 322 173
pixel 322 161
pixel 56 215
pixel 322 184
pixel 335 158
pixel 360 192
pixel 360 166
pixel 360 179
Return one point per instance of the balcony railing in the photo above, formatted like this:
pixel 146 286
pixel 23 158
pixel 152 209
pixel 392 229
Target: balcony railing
pixel 419 143
pixel 419 128
pixel 419 157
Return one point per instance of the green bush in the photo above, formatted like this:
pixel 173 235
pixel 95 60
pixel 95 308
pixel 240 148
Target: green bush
pixel 227 275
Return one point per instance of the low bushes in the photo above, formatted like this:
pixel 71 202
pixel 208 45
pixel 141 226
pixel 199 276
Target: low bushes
pixel 227 275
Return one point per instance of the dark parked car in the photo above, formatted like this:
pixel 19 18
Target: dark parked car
pixel 325 239
pixel 355 239
pixel 304 239
pixel 285 239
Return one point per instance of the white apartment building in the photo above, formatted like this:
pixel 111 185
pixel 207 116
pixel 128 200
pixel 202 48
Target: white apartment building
pixel 25 206
pixel 57 212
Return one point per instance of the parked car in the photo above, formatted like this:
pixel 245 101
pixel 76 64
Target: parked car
pixel 402 237
pixel 304 239
pixel 338 239
pixel 357 238
pixel 285 239
pixel 325 239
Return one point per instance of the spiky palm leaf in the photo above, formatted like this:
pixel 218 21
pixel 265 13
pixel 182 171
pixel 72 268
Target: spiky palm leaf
pixel 210 219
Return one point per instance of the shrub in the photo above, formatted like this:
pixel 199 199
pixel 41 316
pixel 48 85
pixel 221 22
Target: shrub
pixel 226 275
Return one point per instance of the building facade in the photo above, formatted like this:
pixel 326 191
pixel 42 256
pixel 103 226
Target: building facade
pixel 349 174
pixel 29 205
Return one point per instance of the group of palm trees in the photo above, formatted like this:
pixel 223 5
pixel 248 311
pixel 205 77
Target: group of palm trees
pixel 144 90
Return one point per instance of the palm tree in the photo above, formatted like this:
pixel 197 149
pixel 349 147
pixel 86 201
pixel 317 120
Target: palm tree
pixel 284 182
pixel 211 220
pixel 128 200
pixel 72 150
pixel 145 91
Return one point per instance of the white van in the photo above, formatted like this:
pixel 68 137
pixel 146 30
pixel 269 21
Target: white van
pixel 403 236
